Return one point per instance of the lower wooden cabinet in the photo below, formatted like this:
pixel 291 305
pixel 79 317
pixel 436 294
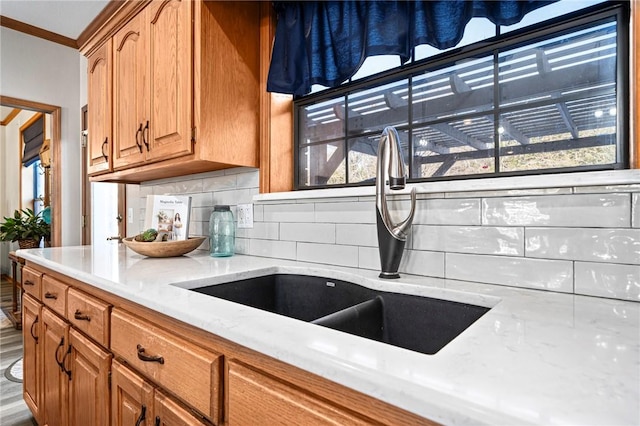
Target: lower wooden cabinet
pixel 89 367
pixel 55 381
pixel 255 395
pixel 100 360
pixel 135 401
pixel 31 338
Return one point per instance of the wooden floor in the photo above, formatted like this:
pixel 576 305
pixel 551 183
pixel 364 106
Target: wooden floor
pixel 13 410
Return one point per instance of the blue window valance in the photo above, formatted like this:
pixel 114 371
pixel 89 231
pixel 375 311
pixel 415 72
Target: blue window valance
pixel 325 42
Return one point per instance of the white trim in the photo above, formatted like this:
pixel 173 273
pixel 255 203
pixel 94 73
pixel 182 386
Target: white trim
pixel 602 178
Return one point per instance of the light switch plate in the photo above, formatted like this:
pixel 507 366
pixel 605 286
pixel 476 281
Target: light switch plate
pixel 245 215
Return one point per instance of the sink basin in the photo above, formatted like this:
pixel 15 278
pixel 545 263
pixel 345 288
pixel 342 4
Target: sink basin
pixel 417 323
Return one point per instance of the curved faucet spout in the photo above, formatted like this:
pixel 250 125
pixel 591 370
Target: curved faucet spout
pixel 391 236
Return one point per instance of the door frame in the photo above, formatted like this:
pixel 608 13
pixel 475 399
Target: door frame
pixel 56 164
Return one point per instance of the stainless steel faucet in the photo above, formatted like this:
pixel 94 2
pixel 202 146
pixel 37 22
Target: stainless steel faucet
pixel 391 236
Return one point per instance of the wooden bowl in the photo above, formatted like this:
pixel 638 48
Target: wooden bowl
pixel 164 248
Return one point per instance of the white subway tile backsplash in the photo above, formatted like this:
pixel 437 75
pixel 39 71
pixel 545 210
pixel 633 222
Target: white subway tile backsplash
pixel 290 212
pixel 427 263
pixel 369 258
pixel 635 210
pixel 308 232
pixel 219 183
pixel 203 199
pixel 273 248
pixel 584 210
pixel 242 245
pixel 448 212
pixel 261 231
pixel 607 188
pixel 608 280
pixel 328 253
pixel 235 196
pixel 362 212
pixel 567 239
pixel 586 244
pixel 509 193
pixel 553 275
pixel 357 234
pixel 248 180
pixel 470 239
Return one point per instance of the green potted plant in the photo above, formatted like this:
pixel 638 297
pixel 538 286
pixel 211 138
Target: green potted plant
pixel 25 227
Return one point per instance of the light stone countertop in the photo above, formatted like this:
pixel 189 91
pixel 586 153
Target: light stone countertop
pixel 535 358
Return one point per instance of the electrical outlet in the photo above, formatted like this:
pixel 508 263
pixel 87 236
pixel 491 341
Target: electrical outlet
pixel 245 215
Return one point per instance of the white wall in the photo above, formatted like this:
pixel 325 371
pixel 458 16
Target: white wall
pixel 41 71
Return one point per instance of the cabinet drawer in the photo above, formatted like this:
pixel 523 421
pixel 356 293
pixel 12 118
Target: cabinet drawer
pixel 31 282
pixel 54 294
pixel 89 315
pixel 184 369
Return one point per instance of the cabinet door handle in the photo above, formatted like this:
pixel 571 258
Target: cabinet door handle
pixel 157 421
pixel 31 331
pixel 80 316
pixel 148 358
pixel 105 143
pixel 48 295
pixel 64 359
pixel 144 138
pixel 60 345
pixel 143 413
pixel 29 282
pixel 138 137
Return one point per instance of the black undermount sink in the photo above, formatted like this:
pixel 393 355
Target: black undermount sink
pixel 417 323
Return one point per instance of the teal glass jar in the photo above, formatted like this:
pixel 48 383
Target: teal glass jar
pixel 222 232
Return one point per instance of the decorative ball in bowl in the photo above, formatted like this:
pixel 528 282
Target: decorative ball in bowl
pixel 163 248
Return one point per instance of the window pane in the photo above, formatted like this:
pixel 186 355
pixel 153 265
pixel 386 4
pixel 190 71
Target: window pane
pixel 562 98
pixel 463 88
pixel 372 110
pixel 321 122
pixel 459 147
pixel 322 164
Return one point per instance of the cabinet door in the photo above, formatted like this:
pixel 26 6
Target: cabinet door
pixel 253 395
pixel 131 398
pixel 171 95
pixel 31 332
pixel 130 92
pixel 89 384
pixel 99 109
pixel 169 413
pixel 55 382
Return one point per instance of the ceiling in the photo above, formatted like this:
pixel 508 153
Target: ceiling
pixel 64 17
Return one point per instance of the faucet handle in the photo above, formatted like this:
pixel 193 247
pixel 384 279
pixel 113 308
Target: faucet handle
pixel 402 228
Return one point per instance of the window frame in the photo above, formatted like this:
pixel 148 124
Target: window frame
pixel 565 24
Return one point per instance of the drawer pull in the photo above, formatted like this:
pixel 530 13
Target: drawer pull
pixel 80 317
pixel 48 295
pixel 29 282
pixel 143 414
pixel 148 358
pixel 33 325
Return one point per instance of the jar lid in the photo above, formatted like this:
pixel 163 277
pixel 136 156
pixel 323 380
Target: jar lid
pixel 221 208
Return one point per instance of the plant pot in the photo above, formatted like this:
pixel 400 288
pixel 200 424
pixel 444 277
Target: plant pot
pixel 27 244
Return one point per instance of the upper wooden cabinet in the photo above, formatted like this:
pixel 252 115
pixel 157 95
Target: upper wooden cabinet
pixel 185 90
pixel 99 95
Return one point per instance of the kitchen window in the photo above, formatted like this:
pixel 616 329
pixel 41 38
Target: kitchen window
pixel 542 97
